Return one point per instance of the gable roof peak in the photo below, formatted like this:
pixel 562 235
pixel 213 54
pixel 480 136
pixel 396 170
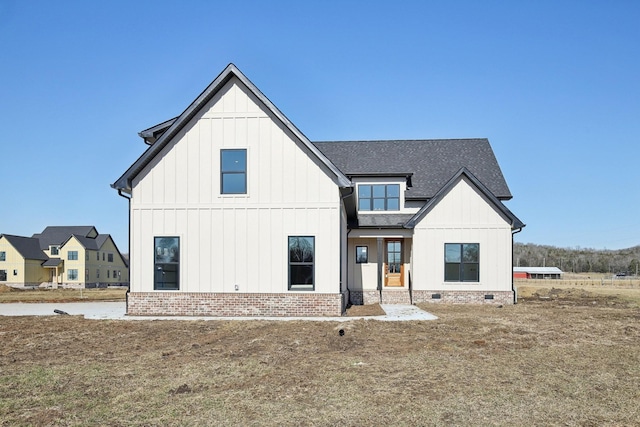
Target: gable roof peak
pixel 125 181
pixel 515 223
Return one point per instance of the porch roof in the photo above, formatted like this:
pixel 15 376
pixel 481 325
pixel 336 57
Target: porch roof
pixel 383 220
pixel 52 262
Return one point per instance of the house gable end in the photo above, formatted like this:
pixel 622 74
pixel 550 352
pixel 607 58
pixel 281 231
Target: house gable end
pixel 465 209
pixel 124 183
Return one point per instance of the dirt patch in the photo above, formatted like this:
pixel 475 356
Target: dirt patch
pixel 542 360
pixel 61 295
pixel 365 310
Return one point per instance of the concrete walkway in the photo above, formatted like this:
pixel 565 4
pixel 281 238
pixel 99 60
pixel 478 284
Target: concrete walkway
pixel 117 311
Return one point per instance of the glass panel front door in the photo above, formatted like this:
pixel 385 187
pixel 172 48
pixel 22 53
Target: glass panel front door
pixel 393 264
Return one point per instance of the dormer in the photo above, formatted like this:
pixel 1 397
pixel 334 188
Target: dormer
pixel 381 193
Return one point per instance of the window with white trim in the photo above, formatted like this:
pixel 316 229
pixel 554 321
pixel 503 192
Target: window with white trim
pixel 379 197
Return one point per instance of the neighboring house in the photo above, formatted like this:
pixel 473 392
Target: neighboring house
pixel 62 256
pixel 233 211
pixel 537 273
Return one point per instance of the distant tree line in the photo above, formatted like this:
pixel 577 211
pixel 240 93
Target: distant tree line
pixel 578 260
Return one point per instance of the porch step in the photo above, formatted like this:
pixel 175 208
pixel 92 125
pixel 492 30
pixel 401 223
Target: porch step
pixel 395 296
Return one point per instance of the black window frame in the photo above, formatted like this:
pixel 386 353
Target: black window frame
pixel 462 270
pixel 359 260
pixel 229 172
pixel 109 257
pixel 166 264
pixel 371 198
pixel 296 267
pixel 3 256
pixel 3 276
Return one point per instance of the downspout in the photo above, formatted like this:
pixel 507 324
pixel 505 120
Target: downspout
pixel 129 244
pixel 513 287
pixel 346 264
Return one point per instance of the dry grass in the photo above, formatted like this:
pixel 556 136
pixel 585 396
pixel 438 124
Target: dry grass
pixel 541 362
pixel 9 294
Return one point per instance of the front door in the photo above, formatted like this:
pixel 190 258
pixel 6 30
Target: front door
pixel 393 265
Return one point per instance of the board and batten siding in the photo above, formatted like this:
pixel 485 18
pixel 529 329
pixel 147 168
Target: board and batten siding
pixel 462 216
pixel 235 240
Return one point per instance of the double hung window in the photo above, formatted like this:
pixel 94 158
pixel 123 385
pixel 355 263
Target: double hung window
pixel 72 256
pixel 167 263
pixel 301 263
pixel 233 171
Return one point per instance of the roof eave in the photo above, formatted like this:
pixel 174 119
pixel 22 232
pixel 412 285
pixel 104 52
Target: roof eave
pixel 124 183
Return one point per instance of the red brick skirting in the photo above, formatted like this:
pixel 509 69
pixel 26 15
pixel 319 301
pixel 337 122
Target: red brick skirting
pixel 401 296
pixel 163 303
pixel 364 297
pixel 464 297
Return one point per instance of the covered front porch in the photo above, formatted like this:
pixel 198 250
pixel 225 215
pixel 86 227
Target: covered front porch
pixel 56 268
pixel 379 266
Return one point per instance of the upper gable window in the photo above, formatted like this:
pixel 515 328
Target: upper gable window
pixel 233 171
pixel 379 197
pixel 54 250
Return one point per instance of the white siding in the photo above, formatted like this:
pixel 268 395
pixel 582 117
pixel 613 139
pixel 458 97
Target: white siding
pixel 229 240
pixel 462 216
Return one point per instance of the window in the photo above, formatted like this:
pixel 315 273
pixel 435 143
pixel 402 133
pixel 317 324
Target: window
pixel 3 275
pixel 167 263
pixel 72 256
pixel 379 197
pixel 108 273
pixel 97 256
pixel 15 272
pixel 97 273
pixel 233 171
pixel 110 257
pixel 362 255
pixel 461 262
pixel 86 275
pixel 301 263
pixel 54 250
pixel 103 256
pixel 3 256
pixel 72 274
pixel 114 274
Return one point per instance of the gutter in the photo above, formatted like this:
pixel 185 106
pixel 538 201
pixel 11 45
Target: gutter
pixel 513 287
pixel 129 240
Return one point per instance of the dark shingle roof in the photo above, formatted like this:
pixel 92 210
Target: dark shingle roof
pixel 393 220
pixel 91 243
pixel 57 235
pixel 52 262
pixel 28 247
pixel 431 161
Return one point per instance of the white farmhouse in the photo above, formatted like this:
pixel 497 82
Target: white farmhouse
pixel 233 211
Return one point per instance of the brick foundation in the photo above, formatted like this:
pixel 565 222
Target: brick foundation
pixel 401 296
pixel 233 304
pixel 364 297
pixel 464 297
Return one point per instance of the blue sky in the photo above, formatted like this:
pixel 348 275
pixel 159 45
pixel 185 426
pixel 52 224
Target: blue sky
pixel 554 85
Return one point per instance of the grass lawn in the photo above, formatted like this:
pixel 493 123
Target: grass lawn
pixel 564 360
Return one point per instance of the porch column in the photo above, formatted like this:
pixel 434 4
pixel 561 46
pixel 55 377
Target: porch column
pixel 380 262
